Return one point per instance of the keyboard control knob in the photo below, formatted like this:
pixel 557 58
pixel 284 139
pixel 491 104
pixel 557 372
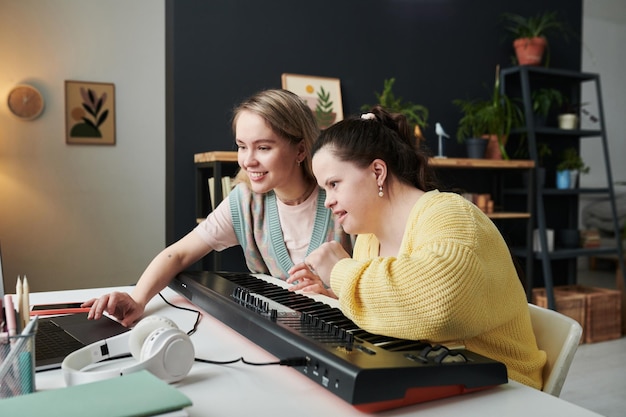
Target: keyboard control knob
pixel 450 356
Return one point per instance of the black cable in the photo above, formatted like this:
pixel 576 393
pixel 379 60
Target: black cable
pixel 218 362
pixel 198 317
pixel 296 361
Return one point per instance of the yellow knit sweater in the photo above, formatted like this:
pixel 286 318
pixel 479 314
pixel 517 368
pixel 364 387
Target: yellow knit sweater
pixel 453 280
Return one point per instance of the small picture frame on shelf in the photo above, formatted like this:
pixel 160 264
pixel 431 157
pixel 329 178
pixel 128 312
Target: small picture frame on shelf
pixel 89 113
pixel 322 95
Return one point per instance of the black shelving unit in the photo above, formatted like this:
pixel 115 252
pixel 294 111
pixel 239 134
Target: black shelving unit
pixel 519 82
pixel 215 164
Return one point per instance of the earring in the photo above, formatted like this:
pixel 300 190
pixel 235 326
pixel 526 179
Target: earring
pixel 298 162
pixel 380 191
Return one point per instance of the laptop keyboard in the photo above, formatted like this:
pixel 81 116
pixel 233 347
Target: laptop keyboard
pixel 52 342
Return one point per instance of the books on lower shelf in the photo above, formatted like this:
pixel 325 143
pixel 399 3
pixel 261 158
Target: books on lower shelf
pixel 136 394
pixel 226 187
pixel 212 192
pixel 483 201
pixel 590 238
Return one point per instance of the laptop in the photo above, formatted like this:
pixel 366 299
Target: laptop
pixel 58 336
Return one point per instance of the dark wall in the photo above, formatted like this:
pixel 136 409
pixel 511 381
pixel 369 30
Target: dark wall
pixel 221 51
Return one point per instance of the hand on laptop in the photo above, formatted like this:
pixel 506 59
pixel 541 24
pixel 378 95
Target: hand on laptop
pixel 118 304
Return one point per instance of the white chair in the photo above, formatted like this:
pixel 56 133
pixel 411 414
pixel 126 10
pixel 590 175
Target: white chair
pixel 559 336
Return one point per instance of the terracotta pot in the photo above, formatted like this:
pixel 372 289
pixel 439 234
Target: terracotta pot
pixel 529 51
pixel 493 147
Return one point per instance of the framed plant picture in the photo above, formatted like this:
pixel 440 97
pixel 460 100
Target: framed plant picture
pixel 322 94
pixel 89 113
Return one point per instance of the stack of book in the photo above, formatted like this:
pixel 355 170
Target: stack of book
pixel 226 187
pixel 590 238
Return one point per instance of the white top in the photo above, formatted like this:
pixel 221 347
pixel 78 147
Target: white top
pixel 296 222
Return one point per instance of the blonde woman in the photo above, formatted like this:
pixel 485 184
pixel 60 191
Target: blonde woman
pixel 275 213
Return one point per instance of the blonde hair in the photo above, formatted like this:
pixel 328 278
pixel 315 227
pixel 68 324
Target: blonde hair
pixel 288 116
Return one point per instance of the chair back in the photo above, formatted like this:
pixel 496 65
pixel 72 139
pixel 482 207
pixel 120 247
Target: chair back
pixel 559 336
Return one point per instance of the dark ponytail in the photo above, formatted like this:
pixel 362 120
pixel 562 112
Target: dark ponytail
pixel 380 135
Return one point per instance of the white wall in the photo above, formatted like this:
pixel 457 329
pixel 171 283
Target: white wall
pixel 604 37
pixel 71 215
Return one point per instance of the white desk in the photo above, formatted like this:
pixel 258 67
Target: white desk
pixel 244 390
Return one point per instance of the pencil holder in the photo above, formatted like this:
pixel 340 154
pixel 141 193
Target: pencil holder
pixel 17 364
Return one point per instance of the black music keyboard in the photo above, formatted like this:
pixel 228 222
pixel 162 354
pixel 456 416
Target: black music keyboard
pixel 371 372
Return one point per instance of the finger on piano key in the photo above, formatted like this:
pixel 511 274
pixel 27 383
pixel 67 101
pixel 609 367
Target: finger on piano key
pixel 317 297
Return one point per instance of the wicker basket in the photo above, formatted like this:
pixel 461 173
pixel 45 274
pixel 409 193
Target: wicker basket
pixel 598 310
pixel 570 304
pixel 603 311
pixel 619 283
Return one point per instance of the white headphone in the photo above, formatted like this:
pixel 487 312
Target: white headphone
pixel 156 342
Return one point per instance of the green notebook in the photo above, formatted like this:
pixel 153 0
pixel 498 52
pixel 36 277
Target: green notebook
pixel 136 394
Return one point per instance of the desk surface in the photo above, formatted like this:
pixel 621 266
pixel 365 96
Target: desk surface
pixel 244 390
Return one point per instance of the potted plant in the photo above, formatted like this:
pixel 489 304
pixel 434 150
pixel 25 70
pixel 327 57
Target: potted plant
pixel 469 130
pixel 569 168
pixel 493 117
pixel 568 121
pixel 529 35
pixel 568 116
pixel 568 171
pixel 544 100
pixel 572 112
pixel 416 114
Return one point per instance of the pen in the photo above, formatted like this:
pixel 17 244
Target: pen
pixel 17 303
pixel 9 312
pixel 25 307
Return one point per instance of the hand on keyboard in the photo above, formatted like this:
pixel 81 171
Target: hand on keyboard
pixel 302 277
pixel 118 304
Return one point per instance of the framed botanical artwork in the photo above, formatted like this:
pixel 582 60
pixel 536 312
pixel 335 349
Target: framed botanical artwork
pixel 322 94
pixel 89 113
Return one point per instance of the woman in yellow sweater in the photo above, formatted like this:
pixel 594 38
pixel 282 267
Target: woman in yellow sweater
pixel 426 265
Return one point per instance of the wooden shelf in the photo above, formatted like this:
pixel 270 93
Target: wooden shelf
pixel 461 163
pixel 231 156
pixel 482 163
pixel 214 156
pixel 472 163
pixel 508 215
